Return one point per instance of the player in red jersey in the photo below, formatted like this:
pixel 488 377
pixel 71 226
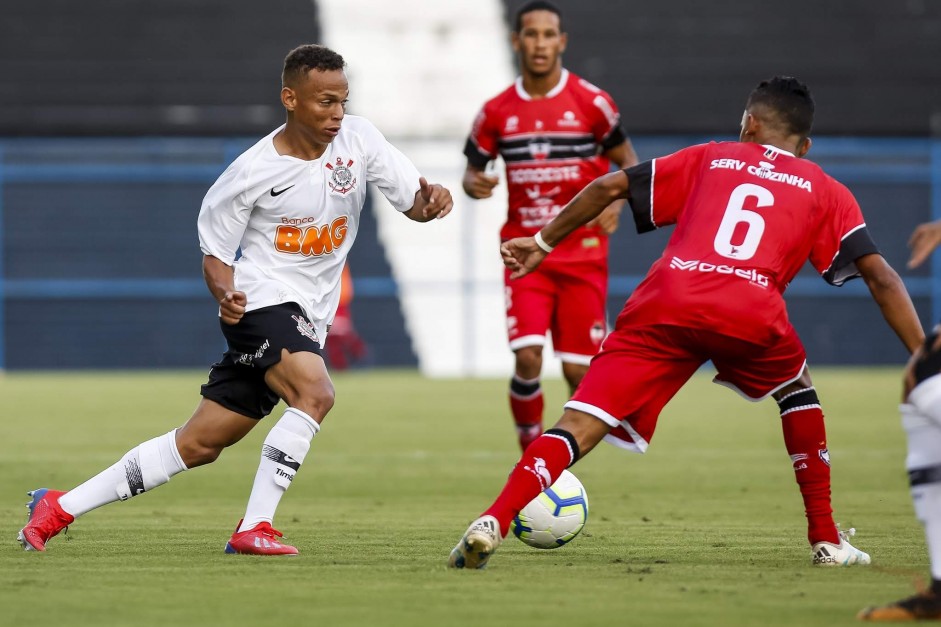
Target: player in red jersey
pixel 748 214
pixel 556 133
pixel 921 419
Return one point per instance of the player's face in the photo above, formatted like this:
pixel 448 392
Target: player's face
pixel 540 43
pixel 318 104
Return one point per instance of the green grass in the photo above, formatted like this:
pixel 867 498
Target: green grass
pixel 707 528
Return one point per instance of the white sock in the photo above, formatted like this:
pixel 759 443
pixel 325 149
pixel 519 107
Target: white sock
pixel 924 471
pixel 143 468
pixel 282 454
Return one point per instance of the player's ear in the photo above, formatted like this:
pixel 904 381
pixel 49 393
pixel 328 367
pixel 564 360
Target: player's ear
pixel 288 98
pixel 563 42
pixel 749 126
pixel 804 146
pixel 515 41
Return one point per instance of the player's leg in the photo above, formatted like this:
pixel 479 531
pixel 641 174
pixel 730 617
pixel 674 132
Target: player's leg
pixel 297 374
pixel 529 304
pixel 573 436
pixel 143 468
pixel 578 324
pixel 301 379
pixel 921 419
pixel 526 399
pixel 626 387
pixel 805 437
pixel 780 370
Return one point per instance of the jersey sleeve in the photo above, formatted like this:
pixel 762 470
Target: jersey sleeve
pixel 843 239
pixel 658 189
pixel 390 170
pixel 223 216
pixel 606 126
pixel 482 143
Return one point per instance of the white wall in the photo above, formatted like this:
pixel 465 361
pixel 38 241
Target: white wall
pixel 420 70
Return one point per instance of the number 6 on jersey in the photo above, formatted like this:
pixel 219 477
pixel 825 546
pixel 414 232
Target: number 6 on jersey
pixel 735 214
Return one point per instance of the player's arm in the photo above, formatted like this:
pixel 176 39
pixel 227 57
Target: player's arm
pixel 524 254
pixel 477 183
pixel 623 156
pixel 925 238
pixel 889 292
pixel 431 201
pixel 220 279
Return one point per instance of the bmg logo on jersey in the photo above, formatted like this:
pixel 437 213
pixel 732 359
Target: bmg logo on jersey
pixel 313 241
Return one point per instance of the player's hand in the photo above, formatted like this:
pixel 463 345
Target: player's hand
pixel 521 255
pixel 478 184
pixel 437 199
pixel 609 219
pixel 232 307
pixel 923 241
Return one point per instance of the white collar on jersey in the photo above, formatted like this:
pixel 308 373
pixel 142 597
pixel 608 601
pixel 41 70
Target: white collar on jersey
pixel 555 91
pixel 776 149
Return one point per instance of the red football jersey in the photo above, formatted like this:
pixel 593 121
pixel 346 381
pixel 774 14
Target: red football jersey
pixel 552 148
pixel 747 217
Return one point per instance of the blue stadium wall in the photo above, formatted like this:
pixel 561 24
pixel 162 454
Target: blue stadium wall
pixel 101 268
pixel 116 117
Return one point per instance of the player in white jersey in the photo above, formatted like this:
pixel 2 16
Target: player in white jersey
pixel 921 420
pixel 291 205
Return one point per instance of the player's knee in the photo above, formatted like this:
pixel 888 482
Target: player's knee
pixel 529 361
pixel 315 398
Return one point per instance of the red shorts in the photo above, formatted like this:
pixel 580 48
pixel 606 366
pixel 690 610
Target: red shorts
pixel 640 368
pixel 566 299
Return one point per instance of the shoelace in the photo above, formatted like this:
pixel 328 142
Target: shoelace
pixel 267 530
pixel 847 534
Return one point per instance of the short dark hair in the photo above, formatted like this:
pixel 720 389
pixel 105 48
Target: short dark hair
pixel 536 5
pixel 309 57
pixel 790 102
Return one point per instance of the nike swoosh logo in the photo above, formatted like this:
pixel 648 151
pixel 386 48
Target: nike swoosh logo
pixel 280 191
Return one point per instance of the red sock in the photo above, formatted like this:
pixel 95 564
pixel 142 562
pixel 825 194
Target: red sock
pixel 805 437
pixel 538 468
pixel 526 403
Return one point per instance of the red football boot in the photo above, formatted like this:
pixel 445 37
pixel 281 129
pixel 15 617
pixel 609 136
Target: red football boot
pixel 260 540
pixel 46 519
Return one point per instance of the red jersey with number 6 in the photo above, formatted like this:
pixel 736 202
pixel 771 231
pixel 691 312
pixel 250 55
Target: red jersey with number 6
pixel 552 147
pixel 747 217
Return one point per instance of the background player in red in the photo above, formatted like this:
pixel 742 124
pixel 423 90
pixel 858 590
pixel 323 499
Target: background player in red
pixel 748 214
pixel 556 133
pixel 345 347
pixel 921 419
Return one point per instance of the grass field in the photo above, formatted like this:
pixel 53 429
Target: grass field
pixel 707 528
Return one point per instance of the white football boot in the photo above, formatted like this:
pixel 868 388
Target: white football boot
pixel 842 554
pixel 479 542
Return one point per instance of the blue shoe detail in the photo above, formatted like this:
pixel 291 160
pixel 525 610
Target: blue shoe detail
pixel 37 496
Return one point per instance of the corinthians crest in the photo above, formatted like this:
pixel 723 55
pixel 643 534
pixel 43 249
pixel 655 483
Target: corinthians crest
pixel 341 179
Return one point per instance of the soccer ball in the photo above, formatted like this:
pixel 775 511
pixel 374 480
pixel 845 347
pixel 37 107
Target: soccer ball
pixel 554 517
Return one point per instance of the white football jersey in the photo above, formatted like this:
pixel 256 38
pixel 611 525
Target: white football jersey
pixel 296 220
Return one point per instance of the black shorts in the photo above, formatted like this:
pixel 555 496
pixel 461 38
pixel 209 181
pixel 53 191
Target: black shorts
pixel 928 363
pixel 237 381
